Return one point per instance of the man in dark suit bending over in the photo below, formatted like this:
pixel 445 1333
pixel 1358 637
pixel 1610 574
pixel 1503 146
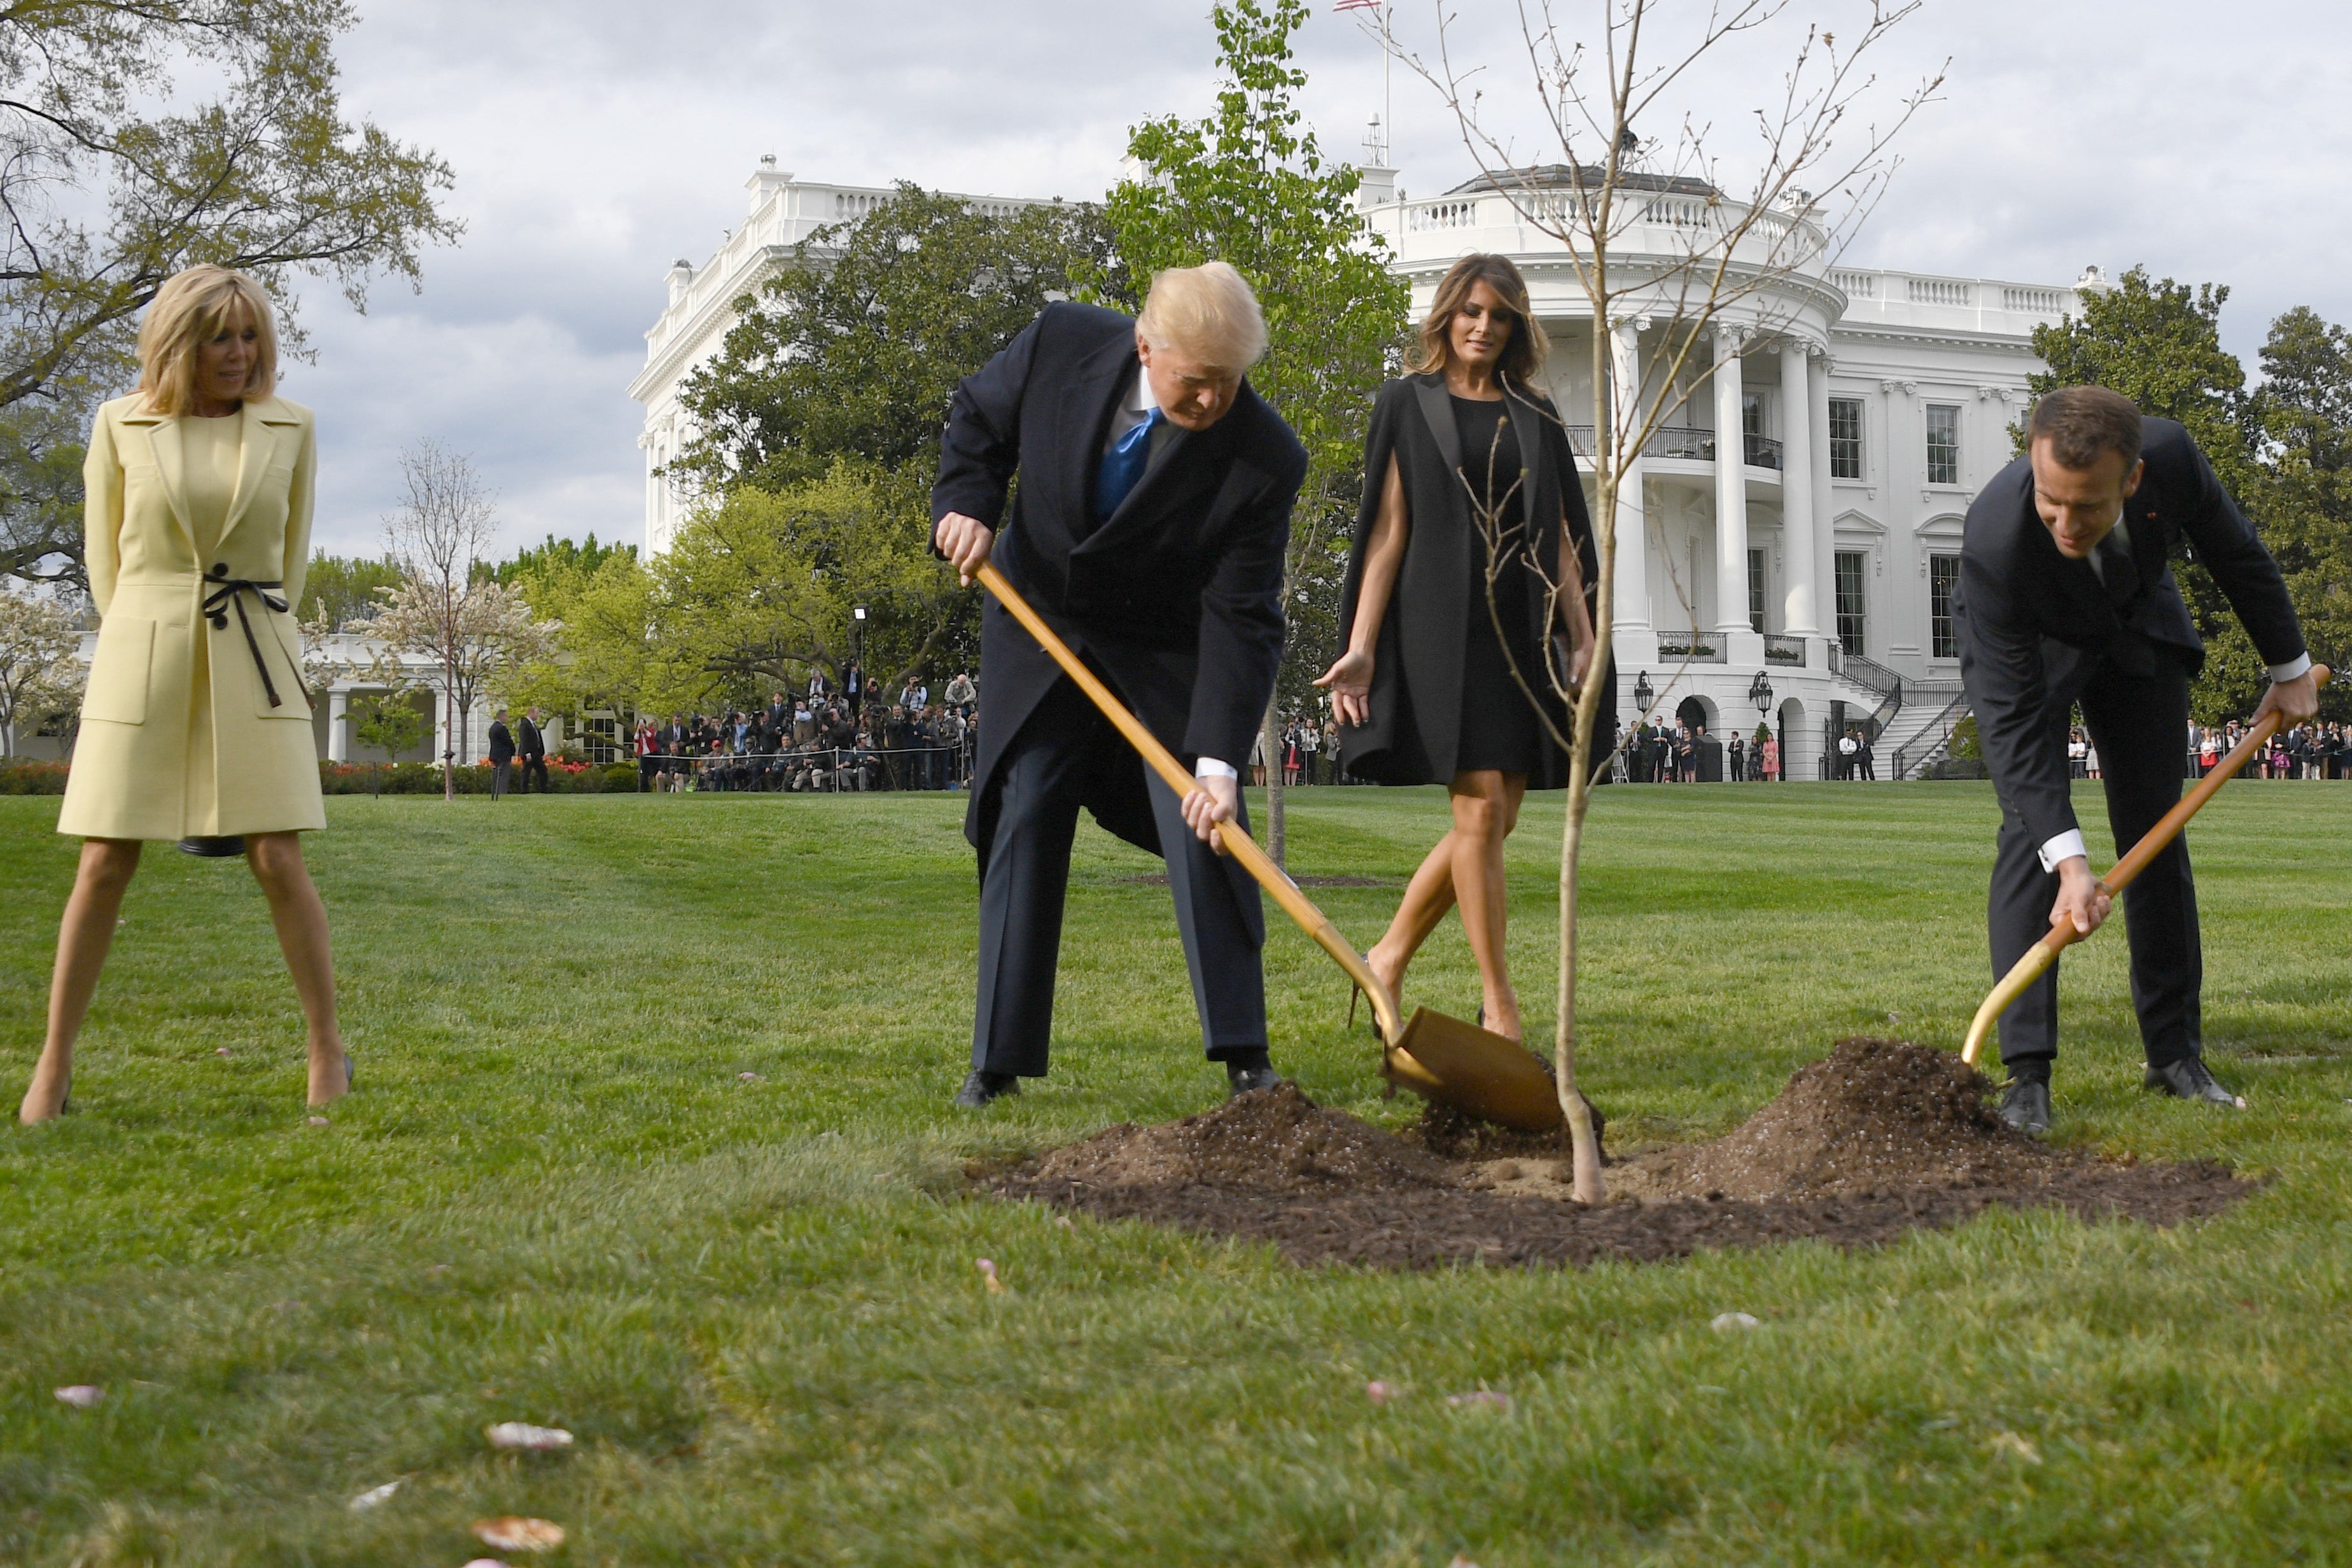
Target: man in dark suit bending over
pixel 1148 529
pixel 2064 597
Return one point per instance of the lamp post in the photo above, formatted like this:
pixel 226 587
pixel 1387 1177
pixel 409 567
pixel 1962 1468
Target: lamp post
pixel 857 686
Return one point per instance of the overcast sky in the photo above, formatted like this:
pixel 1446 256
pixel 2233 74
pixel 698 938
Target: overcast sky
pixel 596 140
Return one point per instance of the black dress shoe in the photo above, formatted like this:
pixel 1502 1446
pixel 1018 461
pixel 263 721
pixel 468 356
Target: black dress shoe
pixel 982 1087
pixel 2026 1106
pixel 2188 1079
pixel 1243 1080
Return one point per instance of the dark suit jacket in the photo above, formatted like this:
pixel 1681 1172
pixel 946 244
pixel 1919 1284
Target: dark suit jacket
pixel 1176 597
pixel 532 743
pixel 2034 626
pixel 502 747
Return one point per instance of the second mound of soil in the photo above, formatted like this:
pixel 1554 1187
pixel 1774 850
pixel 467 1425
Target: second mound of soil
pixel 1880 1137
pixel 1873 1114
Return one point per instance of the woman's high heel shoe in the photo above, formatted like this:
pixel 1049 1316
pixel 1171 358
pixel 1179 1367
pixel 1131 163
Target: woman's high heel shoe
pixel 1355 993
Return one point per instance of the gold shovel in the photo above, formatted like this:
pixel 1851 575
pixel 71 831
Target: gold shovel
pixel 2043 953
pixel 1440 1059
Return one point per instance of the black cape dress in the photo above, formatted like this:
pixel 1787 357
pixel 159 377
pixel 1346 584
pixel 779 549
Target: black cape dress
pixel 1443 699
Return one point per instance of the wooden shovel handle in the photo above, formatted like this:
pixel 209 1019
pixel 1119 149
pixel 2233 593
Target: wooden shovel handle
pixel 2043 953
pixel 1238 844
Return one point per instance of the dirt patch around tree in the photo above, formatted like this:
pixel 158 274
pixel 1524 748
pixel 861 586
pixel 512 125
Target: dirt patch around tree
pixel 1879 1138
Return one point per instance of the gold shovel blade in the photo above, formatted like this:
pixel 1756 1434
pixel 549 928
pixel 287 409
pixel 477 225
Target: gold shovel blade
pixel 1474 1070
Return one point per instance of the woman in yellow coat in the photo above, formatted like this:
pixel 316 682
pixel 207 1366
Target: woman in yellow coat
pixel 196 724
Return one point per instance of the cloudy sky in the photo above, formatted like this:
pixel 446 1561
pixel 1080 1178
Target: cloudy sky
pixel 596 140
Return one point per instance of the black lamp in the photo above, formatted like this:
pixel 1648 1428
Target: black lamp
pixel 1644 693
pixel 1760 692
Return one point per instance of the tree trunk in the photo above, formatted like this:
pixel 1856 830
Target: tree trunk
pixel 1270 741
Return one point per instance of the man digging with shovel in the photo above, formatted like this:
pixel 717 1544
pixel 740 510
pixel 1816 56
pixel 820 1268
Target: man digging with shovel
pixel 2064 597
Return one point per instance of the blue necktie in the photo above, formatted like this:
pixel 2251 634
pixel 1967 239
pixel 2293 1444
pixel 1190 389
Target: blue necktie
pixel 1123 465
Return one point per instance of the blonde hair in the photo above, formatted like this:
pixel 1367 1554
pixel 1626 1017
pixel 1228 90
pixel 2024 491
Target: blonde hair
pixel 191 308
pixel 1522 355
pixel 1206 310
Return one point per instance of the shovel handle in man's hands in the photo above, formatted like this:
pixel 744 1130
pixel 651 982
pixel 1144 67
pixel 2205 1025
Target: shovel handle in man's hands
pixel 2295 701
pixel 1212 801
pixel 2084 902
pixel 965 542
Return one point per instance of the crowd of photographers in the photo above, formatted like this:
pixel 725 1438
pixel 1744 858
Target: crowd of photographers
pixel 823 739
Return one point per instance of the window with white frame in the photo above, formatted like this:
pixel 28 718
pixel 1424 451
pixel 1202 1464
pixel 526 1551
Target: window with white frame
pixel 1756 590
pixel 1943 444
pixel 1845 437
pixel 1853 567
pixel 1943 577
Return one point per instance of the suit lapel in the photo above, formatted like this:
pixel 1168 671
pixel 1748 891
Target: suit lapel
pixel 1183 470
pixel 171 463
pixel 1089 399
pixel 257 443
pixel 1438 410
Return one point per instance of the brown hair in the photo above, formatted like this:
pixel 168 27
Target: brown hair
pixel 1523 357
pixel 191 308
pixel 2081 422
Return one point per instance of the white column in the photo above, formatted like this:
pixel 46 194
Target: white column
pixel 1825 509
pixel 1730 491
pixel 1799 608
pixel 339 708
pixel 1631 580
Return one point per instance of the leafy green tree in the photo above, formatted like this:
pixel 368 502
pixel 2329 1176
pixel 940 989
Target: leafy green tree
pixel 391 722
pixel 1249 186
pixel 2159 344
pixel 553 566
pixel 340 592
pixel 853 352
pixel 2303 495
pixel 758 590
pixel 145 135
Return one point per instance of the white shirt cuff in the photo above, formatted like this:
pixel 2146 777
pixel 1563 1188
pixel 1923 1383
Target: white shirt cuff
pixel 2065 847
pixel 1210 768
pixel 2293 669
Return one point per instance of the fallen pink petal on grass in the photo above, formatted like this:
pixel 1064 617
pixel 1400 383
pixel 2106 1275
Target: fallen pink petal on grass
pixel 512 1533
pixel 318 1121
pixel 1479 1399
pixel 1379 1393
pixel 522 1434
pixel 988 1272
pixel 81 1395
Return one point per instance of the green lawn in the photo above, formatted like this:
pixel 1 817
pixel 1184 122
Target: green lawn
pixel 554 1199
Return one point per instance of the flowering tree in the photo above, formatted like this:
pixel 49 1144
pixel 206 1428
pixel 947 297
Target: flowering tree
pixel 472 626
pixel 40 676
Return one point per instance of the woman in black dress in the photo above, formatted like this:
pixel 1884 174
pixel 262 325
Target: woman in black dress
pixel 1469 481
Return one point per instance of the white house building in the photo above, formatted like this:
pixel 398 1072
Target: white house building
pixel 701 308
pixel 1807 584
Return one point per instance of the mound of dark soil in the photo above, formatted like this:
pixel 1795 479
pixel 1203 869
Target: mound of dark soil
pixel 1276 1140
pixel 1871 1115
pixel 1880 1137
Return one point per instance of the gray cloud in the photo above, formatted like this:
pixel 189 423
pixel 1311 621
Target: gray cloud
pixel 596 140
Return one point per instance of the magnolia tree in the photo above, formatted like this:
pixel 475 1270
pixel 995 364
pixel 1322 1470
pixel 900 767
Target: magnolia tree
pixel 40 678
pixel 1694 240
pixel 474 629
